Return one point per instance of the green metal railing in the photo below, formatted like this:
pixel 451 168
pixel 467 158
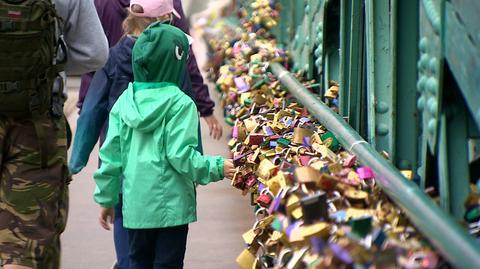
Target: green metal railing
pixel 444 233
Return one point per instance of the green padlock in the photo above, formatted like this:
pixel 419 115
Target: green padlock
pixel 330 141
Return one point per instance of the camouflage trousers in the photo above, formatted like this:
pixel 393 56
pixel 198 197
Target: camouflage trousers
pixel 33 200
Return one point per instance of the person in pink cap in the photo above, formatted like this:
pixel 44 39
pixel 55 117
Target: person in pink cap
pixel 153 8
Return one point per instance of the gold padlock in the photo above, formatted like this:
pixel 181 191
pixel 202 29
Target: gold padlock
pixel 293 207
pixel 320 229
pixel 306 174
pixel 296 237
pixel 250 124
pixel 325 152
pixel 244 96
pixel 246 259
pixel 408 174
pixel 357 213
pixel 335 168
pixel 356 195
pixel 332 92
pixel 265 169
pixel 249 236
pixel 232 142
pixel 274 185
pixel 299 134
pixel 317 164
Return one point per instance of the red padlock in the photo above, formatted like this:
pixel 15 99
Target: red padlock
pixel 264 200
pixel 255 139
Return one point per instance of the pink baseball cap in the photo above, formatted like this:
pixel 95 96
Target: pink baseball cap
pixel 154 8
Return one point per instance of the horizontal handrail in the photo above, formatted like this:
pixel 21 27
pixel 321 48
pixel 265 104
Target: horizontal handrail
pixel 455 244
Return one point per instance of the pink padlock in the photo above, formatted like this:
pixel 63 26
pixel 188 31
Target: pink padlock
pixel 235 132
pixel 304 160
pixel 365 172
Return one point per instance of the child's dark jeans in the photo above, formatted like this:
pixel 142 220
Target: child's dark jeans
pixel 162 248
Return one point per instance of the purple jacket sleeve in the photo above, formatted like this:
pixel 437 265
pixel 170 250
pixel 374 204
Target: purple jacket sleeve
pixel 204 103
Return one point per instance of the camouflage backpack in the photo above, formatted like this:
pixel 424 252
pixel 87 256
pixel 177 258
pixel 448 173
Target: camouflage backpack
pixel 29 42
pixel 28 47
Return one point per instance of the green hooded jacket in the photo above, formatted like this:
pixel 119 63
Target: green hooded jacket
pixel 152 139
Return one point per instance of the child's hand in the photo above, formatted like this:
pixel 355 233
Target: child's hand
pixel 106 217
pixel 228 168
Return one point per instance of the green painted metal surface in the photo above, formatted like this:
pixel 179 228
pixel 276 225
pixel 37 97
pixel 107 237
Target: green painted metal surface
pixel 453 159
pixel 331 40
pixel 462 52
pixel 445 234
pixel 380 91
pixel 405 25
pixel 352 62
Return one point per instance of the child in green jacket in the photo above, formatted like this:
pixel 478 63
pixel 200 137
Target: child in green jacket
pixel 151 143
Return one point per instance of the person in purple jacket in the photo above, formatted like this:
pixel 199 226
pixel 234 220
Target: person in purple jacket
pixel 112 13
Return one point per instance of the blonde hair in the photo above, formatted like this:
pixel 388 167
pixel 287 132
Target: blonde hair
pixel 134 25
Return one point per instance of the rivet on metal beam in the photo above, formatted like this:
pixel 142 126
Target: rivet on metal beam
pixel 421 103
pixel 433 106
pixel 433 65
pixel 421 83
pixel 432 86
pixel 423 45
pixel 381 107
pixel 382 129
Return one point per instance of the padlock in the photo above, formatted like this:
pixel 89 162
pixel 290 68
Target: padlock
pixel 407 173
pixel 353 179
pixel 250 181
pixel 327 182
pixel 361 226
pixel 325 152
pixel 240 160
pixel 314 207
pixel 335 168
pixel 268 130
pixel 357 213
pixel 319 229
pixel 238 180
pixel 250 124
pixel 242 86
pixel 349 161
pixel 332 92
pixel 265 169
pixel 356 195
pixel 365 173
pixel 284 142
pixel 246 259
pixel 293 207
pixel 299 134
pixel 250 236
pixel 330 141
pixel 274 185
pixel 306 175
pixel 255 139
pixel 264 200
